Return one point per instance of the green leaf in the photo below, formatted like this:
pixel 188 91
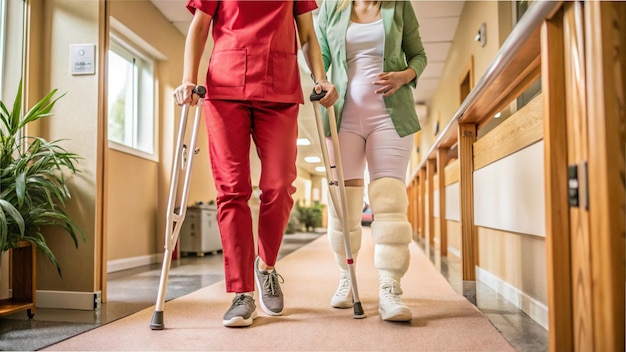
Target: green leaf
pixel 33 185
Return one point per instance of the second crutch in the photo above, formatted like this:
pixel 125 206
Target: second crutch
pixel 337 190
pixel 183 160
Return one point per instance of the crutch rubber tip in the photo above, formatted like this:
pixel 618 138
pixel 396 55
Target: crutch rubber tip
pixel 157 321
pixel 358 311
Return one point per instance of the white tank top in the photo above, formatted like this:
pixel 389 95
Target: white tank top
pixel 365 43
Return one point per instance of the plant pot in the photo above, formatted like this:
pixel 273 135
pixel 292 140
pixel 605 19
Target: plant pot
pixel 22 295
pixel 4 276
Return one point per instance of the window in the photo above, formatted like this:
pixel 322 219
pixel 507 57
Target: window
pixel 11 47
pixel 521 7
pixel 3 24
pixel 131 126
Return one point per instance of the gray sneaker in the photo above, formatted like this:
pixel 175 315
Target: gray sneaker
pixel 241 313
pixel 270 294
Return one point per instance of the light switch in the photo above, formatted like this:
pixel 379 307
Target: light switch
pixel 82 59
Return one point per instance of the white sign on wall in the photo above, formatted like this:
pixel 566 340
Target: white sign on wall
pixel 83 59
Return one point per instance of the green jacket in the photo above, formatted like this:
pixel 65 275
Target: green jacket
pixel 403 48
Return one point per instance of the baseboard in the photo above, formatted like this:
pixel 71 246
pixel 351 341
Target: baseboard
pixel 454 251
pixel 68 300
pixel 533 308
pixel 132 262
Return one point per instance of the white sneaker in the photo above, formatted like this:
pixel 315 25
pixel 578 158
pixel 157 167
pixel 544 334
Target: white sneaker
pixel 343 296
pixel 391 307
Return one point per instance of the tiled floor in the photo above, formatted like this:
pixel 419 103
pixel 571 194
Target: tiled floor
pixel 135 290
pixel 517 327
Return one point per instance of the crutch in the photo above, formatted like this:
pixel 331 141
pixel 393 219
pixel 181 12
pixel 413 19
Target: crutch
pixel 183 160
pixel 337 198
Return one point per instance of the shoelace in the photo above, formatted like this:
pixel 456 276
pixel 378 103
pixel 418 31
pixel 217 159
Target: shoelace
pixel 392 292
pixel 344 287
pixel 241 300
pixel 271 283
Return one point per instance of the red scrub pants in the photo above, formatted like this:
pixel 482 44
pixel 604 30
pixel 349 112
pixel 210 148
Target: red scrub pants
pixel 274 129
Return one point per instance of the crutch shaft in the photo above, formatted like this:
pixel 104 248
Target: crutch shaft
pixel 339 201
pixel 174 219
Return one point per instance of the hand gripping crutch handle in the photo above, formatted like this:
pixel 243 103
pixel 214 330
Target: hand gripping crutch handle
pixel 200 91
pixel 340 204
pixel 174 220
pixel 315 96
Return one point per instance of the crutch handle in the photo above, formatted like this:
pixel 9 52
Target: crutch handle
pixel 200 91
pixel 315 96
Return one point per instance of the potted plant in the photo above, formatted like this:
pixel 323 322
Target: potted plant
pixel 309 217
pixel 33 187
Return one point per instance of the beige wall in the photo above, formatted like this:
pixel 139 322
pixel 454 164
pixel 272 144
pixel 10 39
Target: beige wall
pixel 510 259
pixel 464 47
pixel 511 262
pixel 302 184
pixel 454 237
pixel 137 188
pixel 132 200
pixel 522 263
pixel 55 24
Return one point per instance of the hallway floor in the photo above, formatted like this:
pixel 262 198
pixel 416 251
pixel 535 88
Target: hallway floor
pixel 134 290
pixel 517 327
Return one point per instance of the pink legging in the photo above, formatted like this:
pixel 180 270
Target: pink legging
pixel 373 140
pixel 274 128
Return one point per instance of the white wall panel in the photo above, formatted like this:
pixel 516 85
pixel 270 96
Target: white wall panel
pixel 453 199
pixel 509 193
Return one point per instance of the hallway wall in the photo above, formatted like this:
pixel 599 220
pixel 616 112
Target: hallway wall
pixel 464 50
pixel 124 212
pixel 54 25
pixel 508 193
pixel 137 187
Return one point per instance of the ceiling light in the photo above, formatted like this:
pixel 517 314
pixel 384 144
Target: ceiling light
pixel 303 141
pixel 320 169
pixel 312 159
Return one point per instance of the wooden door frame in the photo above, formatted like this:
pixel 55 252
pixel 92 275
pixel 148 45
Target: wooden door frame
pixel 606 88
pixel 585 239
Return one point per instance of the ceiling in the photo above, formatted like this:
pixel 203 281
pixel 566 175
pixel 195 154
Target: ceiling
pixel 438 21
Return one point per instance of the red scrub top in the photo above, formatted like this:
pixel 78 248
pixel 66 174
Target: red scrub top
pixel 255 49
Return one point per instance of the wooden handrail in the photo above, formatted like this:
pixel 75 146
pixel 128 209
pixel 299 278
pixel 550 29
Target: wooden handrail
pixel 515 66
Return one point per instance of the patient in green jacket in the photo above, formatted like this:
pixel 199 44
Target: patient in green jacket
pixel 375 55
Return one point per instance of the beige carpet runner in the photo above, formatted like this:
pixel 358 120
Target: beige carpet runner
pixel 442 319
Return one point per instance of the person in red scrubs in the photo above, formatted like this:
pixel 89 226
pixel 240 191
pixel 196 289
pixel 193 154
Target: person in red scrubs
pixel 253 89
